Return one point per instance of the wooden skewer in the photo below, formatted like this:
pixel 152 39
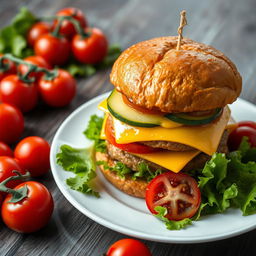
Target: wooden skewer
pixel 183 23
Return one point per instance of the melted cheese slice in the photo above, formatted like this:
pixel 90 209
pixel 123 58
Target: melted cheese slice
pixel 174 161
pixel 103 106
pixel 205 138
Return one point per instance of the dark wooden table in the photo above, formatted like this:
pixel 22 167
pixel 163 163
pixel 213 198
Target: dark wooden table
pixel 227 25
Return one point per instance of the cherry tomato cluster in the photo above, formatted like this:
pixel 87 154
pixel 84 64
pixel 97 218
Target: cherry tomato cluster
pixel 68 35
pixel 26 206
pixel 21 86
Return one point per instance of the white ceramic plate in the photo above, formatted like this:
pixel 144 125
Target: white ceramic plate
pixel 129 215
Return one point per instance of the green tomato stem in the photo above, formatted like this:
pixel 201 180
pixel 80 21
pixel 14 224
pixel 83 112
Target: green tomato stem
pixel 60 19
pixel 17 194
pixel 4 66
pixel 49 74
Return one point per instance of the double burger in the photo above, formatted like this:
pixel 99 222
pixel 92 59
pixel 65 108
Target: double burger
pixel 168 109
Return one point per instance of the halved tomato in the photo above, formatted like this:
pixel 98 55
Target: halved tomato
pixel 134 147
pixel 177 192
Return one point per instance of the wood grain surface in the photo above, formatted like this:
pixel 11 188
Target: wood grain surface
pixel 228 25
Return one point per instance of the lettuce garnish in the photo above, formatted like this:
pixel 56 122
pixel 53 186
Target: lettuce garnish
pixel 226 181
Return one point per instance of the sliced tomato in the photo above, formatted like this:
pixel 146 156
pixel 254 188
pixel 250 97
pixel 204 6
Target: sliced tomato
pixel 134 147
pixel 177 192
pixel 141 109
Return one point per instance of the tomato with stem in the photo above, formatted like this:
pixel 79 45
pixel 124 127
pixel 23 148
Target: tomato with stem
pixel 91 49
pixel 12 123
pixel 35 60
pixel 128 247
pixel 18 93
pixel 7 166
pixel 177 192
pixel 68 29
pixel 55 50
pixel 59 91
pixel 11 69
pixel 5 150
pixel 28 207
pixel 33 154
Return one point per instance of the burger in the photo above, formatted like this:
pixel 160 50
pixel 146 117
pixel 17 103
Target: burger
pixel 168 111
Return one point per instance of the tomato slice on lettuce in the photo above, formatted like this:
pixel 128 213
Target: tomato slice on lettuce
pixel 177 192
pixel 134 147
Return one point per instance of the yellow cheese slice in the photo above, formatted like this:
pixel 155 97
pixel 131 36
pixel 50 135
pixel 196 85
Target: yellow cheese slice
pixel 102 132
pixel 170 160
pixel 205 138
pixel 174 161
pixel 103 106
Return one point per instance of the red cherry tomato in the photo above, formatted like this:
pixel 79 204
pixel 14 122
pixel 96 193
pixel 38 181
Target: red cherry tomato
pixel 30 214
pixel 67 29
pixel 33 154
pixel 18 93
pixel 90 50
pixel 177 192
pixel 247 124
pixel 36 60
pixel 134 147
pixel 235 137
pixel 7 166
pixel 60 91
pixel 54 50
pixel 5 150
pixel 11 70
pixel 37 30
pixel 11 123
pixel 128 247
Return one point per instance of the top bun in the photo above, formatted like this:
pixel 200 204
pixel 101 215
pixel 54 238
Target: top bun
pixel 154 75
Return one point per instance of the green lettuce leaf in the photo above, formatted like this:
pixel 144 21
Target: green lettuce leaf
pixel 23 21
pixel 215 195
pixel 77 69
pixel 229 181
pixel 13 37
pixel 171 224
pixel 81 162
pixel 143 171
pixel 244 175
pixel 121 170
pixel 92 132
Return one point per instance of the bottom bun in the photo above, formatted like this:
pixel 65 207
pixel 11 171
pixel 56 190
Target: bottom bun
pixel 129 186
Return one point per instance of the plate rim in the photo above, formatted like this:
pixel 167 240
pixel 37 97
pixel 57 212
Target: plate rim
pixel 116 227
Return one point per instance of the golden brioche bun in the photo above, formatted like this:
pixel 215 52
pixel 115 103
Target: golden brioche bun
pixel 129 186
pixel 154 75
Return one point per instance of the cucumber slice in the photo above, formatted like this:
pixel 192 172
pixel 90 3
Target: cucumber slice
pixel 131 116
pixel 187 119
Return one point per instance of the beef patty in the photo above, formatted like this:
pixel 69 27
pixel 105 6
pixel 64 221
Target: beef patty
pixel 133 161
